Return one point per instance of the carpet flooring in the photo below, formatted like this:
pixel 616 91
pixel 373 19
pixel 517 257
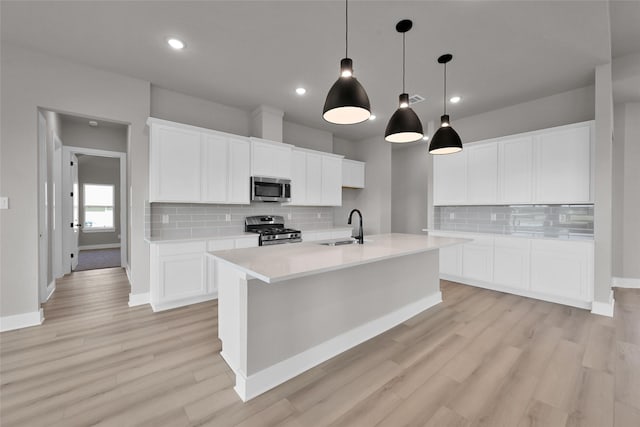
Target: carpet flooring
pixel 98 258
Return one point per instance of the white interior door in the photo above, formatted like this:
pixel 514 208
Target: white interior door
pixel 75 209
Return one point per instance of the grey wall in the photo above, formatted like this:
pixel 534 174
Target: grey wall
pixel 375 199
pixel 174 106
pixel 100 170
pixel 30 80
pixel 306 137
pixel 107 137
pixel 409 181
pixel 631 207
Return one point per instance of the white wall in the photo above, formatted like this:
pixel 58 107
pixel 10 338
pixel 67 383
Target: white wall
pixel 30 80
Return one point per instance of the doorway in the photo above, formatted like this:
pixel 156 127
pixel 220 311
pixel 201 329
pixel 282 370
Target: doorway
pixel 83 207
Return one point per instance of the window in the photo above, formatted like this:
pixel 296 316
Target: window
pixel 98 207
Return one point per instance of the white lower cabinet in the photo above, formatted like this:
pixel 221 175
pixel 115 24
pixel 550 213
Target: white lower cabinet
pixel 511 265
pixel 182 274
pixel 551 270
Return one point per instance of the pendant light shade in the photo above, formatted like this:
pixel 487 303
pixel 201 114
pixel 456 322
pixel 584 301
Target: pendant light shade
pixel 446 140
pixel 404 125
pixel 347 102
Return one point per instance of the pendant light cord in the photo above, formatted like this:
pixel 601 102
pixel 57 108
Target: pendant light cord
pixel 445 89
pixel 346 32
pixel 403 59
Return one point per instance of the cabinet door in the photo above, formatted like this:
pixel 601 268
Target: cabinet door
pixel 482 174
pixel 215 169
pixel 270 159
pixel 562 268
pixel 516 170
pixel 182 271
pixel 175 167
pixel 477 259
pixel 215 245
pixel 563 165
pixel 352 174
pixel 511 265
pixel 331 181
pixel 298 178
pixel 239 171
pixel 314 179
pixel 450 179
pixel 451 261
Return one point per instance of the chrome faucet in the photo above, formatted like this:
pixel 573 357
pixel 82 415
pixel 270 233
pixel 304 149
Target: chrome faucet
pixel 361 231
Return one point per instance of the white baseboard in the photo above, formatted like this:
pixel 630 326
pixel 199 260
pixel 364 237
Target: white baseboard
pixel 138 299
pixel 260 382
pixel 104 246
pixel 50 290
pixel 168 305
pixel 19 321
pixel 521 292
pixel 604 308
pixel 625 282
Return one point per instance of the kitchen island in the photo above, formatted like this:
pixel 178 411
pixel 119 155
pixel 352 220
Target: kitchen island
pixel 285 309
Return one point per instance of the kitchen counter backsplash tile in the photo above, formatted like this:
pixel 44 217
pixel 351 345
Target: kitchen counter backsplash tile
pixel 197 220
pixel 562 221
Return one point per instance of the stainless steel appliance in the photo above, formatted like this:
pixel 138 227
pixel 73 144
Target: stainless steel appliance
pixel 271 229
pixel 270 189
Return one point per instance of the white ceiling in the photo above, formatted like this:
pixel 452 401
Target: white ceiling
pixel 247 53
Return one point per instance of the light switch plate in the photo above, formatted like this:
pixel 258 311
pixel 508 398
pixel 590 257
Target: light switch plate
pixel 227 217
pixel 165 219
pixel 4 203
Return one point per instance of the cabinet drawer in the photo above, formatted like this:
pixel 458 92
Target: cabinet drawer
pixel 246 242
pixel 197 247
pixel 220 244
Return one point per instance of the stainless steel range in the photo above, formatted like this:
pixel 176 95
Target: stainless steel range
pixel 271 229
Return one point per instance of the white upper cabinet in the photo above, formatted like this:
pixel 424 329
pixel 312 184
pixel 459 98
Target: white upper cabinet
pixel 482 174
pixel 516 170
pixel 331 180
pixel 215 168
pixel 270 159
pixel 174 166
pixel 316 178
pixel 190 164
pixel 563 165
pixel 549 166
pixel 298 177
pixel 352 173
pixel 450 179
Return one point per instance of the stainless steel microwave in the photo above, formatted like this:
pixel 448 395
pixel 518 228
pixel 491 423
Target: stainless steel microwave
pixel 270 189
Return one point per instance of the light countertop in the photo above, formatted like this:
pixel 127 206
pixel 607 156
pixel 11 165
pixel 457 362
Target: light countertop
pixel 277 263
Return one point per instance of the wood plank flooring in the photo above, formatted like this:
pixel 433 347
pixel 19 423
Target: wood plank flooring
pixel 481 358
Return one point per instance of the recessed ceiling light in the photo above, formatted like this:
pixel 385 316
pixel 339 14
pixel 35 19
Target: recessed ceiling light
pixel 301 91
pixel 455 99
pixel 372 117
pixel 176 43
pixel 425 138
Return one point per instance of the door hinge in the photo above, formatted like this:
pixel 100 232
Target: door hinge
pixel 71 194
pixel 71 225
pixel 71 255
pixel 71 162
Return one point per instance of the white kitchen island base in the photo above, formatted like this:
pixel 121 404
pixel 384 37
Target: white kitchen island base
pixel 273 331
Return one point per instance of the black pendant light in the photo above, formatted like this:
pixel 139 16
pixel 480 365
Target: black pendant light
pixel 404 125
pixel 445 140
pixel 347 102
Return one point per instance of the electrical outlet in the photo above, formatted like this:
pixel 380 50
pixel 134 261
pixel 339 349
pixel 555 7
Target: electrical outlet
pixel 289 216
pixel 227 217
pixel 493 217
pixel 452 215
pixel 165 219
pixel 4 203
pixel 319 215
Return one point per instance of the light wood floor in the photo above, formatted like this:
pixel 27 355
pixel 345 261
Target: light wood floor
pixel 481 358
